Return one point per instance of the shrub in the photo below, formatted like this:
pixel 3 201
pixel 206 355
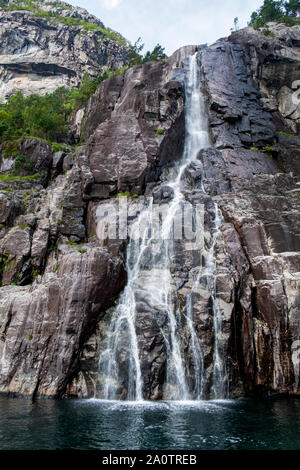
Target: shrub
pixel 269 148
pixel 267 32
pixel 22 164
pixel 136 57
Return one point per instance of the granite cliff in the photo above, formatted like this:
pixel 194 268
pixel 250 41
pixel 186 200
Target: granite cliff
pixel 45 45
pixel 59 284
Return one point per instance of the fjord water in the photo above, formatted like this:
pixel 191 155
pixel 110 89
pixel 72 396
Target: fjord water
pixel 96 424
pixel 154 275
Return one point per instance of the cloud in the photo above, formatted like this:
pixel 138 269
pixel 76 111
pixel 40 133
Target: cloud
pixel 111 4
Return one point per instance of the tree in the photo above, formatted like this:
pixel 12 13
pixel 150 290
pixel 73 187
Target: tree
pixel 157 54
pixel 135 55
pixel 236 23
pixel 271 10
pixel 287 12
pixel 292 7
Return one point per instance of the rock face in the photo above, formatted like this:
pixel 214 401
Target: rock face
pixel 273 61
pixel 257 250
pixel 44 46
pixel 66 280
pixel 60 283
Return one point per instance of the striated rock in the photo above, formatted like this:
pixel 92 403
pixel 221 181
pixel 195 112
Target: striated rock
pixel 273 61
pixel 15 249
pixel 130 134
pixel 46 45
pixel 42 328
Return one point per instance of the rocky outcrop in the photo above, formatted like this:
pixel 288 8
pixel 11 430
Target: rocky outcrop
pixel 45 46
pixel 274 54
pixel 60 283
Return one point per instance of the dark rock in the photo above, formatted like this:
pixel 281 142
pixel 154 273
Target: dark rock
pixel 38 152
pixel 57 163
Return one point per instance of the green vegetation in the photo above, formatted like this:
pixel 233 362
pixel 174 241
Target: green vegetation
pixel 124 194
pixel 55 268
pixel 279 11
pixel 81 251
pixel 270 151
pixel 286 134
pixel 127 194
pixel 35 116
pixel 267 32
pixel 54 17
pixel 269 148
pixel 137 58
pixel 3 262
pixel 30 337
pixel 160 131
pixel 21 164
pixel 45 117
pixel 12 177
pixel 60 148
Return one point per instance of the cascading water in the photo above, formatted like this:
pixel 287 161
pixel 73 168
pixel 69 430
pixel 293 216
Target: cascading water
pixel 150 272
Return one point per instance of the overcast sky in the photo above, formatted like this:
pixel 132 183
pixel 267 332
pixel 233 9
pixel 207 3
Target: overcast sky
pixel 172 23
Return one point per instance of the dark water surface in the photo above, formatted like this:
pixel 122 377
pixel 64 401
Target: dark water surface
pixel 94 424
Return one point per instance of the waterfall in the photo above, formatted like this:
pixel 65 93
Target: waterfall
pixel 149 263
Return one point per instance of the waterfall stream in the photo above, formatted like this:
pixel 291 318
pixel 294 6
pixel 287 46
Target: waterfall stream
pixel 150 271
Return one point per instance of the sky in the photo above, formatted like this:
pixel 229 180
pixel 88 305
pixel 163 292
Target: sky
pixel 171 23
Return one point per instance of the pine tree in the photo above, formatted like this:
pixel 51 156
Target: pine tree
pixel 292 7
